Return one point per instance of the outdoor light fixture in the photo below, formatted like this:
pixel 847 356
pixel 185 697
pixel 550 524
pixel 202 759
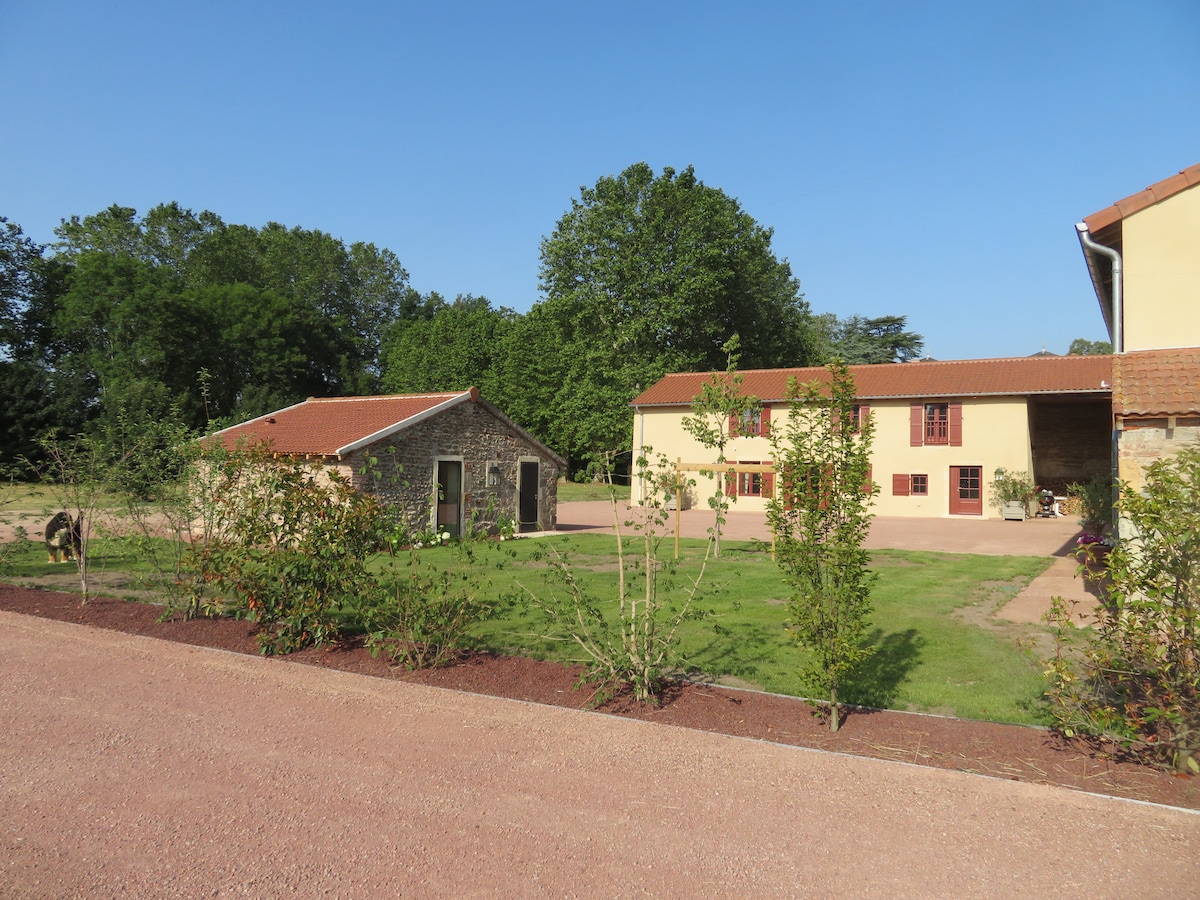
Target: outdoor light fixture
pixel 999 473
pixel 494 475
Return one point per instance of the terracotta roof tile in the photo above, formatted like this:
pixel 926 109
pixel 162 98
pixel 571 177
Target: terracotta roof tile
pixel 956 378
pixel 1156 193
pixel 1157 383
pixel 325 427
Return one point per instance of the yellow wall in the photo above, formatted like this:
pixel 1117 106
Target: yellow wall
pixel 995 434
pixel 1161 249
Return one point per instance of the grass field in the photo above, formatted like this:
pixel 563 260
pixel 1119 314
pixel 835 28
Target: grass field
pixel 569 491
pixel 938 647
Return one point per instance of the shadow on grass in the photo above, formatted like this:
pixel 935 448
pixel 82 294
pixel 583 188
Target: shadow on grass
pixel 878 680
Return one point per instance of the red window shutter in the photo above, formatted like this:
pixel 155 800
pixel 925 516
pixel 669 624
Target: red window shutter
pixel 864 411
pixel 764 422
pixel 735 425
pixel 869 484
pixel 731 484
pixel 954 417
pixel 900 485
pixel 916 424
pixel 768 485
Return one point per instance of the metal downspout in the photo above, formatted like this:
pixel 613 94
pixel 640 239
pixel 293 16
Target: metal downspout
pixel 1118 309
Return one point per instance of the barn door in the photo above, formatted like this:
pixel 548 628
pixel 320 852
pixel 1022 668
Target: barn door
pixel 966 490
pixel 527 500
pixel 449 506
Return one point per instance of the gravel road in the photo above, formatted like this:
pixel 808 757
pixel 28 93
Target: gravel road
pixel 131 767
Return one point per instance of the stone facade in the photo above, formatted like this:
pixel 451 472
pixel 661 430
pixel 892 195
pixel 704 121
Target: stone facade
pixel 477 435
pixel 1142 441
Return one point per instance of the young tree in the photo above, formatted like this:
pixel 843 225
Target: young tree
pixel 631 638
pixel 1137 680
pixel 719 411
pixel 820 515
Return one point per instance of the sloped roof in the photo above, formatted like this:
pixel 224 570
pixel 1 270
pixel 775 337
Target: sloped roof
pixel 1157 383
pixel 1156 193
pixel 338 425
pixel 954 378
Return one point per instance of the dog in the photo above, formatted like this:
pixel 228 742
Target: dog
pixel 65 536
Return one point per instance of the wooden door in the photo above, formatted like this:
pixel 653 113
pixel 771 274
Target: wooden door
pixel 966 490
pixel 449 507
pixel 527 499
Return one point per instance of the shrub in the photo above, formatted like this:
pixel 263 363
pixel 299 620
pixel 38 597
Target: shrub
pixel 1136 680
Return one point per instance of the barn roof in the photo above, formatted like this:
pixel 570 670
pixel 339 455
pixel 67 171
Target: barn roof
pixel 336 426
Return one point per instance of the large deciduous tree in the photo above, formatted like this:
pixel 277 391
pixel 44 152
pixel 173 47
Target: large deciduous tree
pixel 650 274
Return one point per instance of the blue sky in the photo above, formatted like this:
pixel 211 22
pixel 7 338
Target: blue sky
pixel 918 159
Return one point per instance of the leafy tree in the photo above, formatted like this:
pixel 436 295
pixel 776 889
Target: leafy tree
pixel 858 340
pixel 166 236
pixel 719 403
pixel 457 348
pixel 1084 347
pixel 646 275
pixel 19 258
pixel 820 515
pixel 1137 679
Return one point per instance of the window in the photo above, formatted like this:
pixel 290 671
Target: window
pixel 934 424
pixel 937 423
pixel 861 411
pixel 751 423
pixel 905 485
pixel 749 484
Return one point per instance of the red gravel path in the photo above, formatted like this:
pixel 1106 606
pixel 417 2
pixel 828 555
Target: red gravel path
pixel 147 768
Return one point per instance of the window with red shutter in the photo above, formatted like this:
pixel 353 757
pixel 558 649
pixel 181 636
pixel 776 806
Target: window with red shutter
pixel 916 424
pixel 900 485
pixel 954 424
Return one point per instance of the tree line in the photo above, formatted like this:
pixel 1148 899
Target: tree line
pixel 178 315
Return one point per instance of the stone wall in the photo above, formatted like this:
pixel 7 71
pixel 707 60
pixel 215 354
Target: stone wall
pixel 405 470
pixel 1143 441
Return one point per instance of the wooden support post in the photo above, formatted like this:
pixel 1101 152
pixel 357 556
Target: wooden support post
pixel 678 501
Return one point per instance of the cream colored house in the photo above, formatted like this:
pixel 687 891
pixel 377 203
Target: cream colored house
pixel 941 429
pixel 1143 255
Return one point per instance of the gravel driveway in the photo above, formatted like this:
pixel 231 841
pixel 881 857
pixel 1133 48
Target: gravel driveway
pixel 137 768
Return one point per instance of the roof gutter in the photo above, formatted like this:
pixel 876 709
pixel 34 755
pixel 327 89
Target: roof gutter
pixel 1116 310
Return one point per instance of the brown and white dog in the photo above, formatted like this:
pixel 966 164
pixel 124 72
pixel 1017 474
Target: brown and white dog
pixel 64 536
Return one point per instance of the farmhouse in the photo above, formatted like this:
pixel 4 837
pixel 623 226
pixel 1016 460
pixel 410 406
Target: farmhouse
pixel 447 458
pixel 941 428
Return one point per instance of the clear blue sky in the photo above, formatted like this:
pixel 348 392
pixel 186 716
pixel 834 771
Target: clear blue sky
pixel 923 159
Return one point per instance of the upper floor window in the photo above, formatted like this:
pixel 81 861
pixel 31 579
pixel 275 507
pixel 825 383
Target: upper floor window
pixel 750 423
pixel 936 424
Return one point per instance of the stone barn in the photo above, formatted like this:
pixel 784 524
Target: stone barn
pixel 447 459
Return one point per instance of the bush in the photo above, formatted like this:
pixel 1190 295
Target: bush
pixel 1136 680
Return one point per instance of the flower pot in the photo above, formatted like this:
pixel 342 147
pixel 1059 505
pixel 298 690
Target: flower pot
pixel 1014 510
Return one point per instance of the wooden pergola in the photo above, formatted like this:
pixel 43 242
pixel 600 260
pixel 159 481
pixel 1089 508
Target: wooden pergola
pixel 719 469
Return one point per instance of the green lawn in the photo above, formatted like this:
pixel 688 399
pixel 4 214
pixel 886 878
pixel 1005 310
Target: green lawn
pixel 939 650
pixel 569 491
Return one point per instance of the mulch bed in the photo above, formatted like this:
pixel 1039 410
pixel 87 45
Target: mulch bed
pixel 1003 751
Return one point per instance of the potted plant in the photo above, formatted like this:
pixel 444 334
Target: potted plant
pixel 1095 504
pixel 1011 492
